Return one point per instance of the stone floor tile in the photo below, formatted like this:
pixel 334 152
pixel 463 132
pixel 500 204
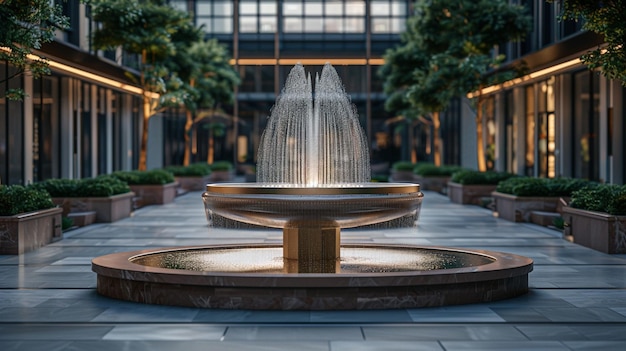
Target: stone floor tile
pixel 293 333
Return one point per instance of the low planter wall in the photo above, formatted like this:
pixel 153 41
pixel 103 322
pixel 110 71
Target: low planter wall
pixel 108 209
pixel 154 194
pixel 438 184
pixel 469 194
pixel 29 231
pixel 193 183
pixel 597 230
pixel 518 208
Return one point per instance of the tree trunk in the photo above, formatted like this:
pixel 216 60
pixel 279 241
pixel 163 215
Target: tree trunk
pixel 188 126
pixel 436 139
pixel 480 142
pixel 209 159
pixel 143 148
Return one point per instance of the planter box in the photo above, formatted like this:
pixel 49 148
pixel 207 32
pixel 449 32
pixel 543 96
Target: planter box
pixel 402 176
pixel 438 184
pixel 518 208
pixel 29 231
pixel 597 230
pixel 154 194
pixel 469 194
pixel 193 183
pixel 221 176
pixel 108 209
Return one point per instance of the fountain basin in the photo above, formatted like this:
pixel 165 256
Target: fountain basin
pixel 348 206
pixel 255 281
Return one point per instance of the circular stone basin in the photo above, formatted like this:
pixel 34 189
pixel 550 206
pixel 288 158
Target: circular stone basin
pixel 349 205
pixel 370 277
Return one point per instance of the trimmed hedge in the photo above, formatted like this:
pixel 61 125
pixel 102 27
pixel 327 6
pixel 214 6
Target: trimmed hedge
pixel 471 177
pixel 221 166
pixel 609 198
pixel 403 166
pixel 530 186
pixel 15 199
pixel 193 170
pixel 101 186
pixel 430 170
pixel 152 177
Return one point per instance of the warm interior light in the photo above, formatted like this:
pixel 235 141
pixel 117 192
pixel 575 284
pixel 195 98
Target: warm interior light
pixel 533 75
pixel 306 61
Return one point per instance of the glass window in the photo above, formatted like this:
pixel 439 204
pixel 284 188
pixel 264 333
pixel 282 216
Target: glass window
pixel 333 24
pixel 248 7
pixel 293 24
pixel 203 9
pixel 223 25
pixel 223 8
pixel 268 24
pixel 381 8
pixel 354 25
pixel 313 8
pixel 179 4
pixel 398 25
pixel 291 8
pixel 248 24
pixel 313 25
pixel 398 8
pixel 268 8
pixel 530 132
pixel 356 7
pixel 334 8
pixel 381 25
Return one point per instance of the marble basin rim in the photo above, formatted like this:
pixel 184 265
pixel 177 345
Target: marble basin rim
pixel 349 205
pixel 120 266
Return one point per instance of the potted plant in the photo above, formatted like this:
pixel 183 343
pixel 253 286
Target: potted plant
pixel 221 171
pixel 518 197
pixel 596 218
pixel 469 186
pixel 110 198
pixel 28 219
pixel 436 178
pixel 192 177
pixel 402 171
pixel 152 187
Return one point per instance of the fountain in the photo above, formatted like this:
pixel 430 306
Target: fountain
pixel 313 172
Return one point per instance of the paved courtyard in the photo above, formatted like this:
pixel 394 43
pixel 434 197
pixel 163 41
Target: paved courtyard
pixel 577 299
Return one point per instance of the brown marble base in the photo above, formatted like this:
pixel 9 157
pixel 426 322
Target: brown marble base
pixel 505 277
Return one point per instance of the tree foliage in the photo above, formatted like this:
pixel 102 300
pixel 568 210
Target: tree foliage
pixel 607 18
pixel 26 26
pixel 447 50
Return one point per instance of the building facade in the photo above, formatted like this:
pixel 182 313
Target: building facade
pixel 85 119
pixel 560 119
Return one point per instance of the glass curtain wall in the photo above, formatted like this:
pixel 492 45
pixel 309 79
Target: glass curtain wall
pixel 586 122
pixel 11 130
pixel 546 142
pixel 529 137
pixel 46 132
pixel 511 130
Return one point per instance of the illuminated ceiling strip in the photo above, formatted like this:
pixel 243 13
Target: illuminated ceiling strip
pixel 533 75
pixel 84 74
pixel 305 61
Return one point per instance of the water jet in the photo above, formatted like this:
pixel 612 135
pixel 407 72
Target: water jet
pixel 314 181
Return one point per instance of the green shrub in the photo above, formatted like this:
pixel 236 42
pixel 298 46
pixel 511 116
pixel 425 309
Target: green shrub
pixel 430 170
pixel 15 199
pixel 471 177
pixel 530 186
pixel 66 223
pixel 221 166
pixel 403 166
pixel 59 187
pixel 101 186
pixel 609 198
pixel 152 177
pixel 194 170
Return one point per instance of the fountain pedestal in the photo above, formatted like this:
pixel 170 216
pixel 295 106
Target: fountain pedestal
pixel 311 246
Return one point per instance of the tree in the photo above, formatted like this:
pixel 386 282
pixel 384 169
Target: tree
pixel 454 41
pixel 607 18
pixel 147 28
pixel 211 81
pixel 26 26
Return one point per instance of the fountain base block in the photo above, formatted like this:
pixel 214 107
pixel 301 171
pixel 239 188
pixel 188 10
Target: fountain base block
pixel 140 277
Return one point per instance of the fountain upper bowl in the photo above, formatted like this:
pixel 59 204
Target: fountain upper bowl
pixel 345 205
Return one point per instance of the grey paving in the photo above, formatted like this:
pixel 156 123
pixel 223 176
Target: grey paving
pixel 577 299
